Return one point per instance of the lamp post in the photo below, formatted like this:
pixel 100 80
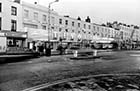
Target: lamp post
pixel 48 47
pixel 49 13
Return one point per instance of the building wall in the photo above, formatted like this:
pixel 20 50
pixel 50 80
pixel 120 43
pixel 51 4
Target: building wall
pixel 86 31
pixel 7 17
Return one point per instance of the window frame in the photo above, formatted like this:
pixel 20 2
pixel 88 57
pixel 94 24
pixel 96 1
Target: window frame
pixel 13 10
pixel 36 16
pixel 0 7
pixel 26 13
pixel 13 25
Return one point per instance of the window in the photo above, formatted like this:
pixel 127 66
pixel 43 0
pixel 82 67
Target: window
pixel 60 21
pixel 0 7
pixel 26 13
pixel 13 10
pixel 13 25
pixel 44 18
pixel 52 20
pixel 97 28
pixel 84 26
pixel 66 30
pixel 60 29
pixel 0 23
pixel 35 16
pixel 94 28
pixel 43 27
pixel 88 26
pixel 66 22
pixel 78 24
pixel 73 23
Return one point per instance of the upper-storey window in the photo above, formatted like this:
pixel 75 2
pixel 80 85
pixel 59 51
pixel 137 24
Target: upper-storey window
pixel 53 20
pixel 0 7
pixel 89 27
pixel 60 21
pixel 73 23
pixel 44 18
pixel 35 16
pixel 0 23
pixel 13 10
pixel 94 28
pixel 13 25
pixel 84 26
pixel 78 24
pixel 26 13
pixel 66 22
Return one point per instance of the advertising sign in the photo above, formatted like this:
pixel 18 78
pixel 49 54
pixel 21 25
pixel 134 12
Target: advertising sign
pixel 2 44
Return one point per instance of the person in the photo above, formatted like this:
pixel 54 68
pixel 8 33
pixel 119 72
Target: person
pixel 48 50
pixel 41 50
pixel 60 49
pixel 34 48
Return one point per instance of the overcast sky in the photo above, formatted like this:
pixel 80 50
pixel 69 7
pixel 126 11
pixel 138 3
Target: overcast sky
pixel 100 11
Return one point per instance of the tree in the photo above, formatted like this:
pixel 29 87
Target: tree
pixel 79 18
pixel 103 24
pixel 88 19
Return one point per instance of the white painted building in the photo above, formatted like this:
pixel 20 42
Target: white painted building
pixel 11 24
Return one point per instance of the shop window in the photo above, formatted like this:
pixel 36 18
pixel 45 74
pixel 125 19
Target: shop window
pixel 13 25
pixel 13 10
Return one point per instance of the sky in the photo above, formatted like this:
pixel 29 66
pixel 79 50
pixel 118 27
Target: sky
pixel 100 11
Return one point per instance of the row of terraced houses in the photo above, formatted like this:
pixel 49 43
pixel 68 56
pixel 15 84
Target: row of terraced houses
pixel 23 25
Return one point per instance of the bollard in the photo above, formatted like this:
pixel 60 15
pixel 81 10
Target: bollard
pixel 75 53
pixel 95 53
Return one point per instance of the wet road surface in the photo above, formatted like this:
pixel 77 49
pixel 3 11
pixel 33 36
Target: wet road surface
pixel 21 75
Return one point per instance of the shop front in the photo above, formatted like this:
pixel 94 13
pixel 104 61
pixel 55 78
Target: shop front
pixel 16 39
pixel 13 41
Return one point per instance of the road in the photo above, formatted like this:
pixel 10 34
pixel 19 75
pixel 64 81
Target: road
pixel 32 72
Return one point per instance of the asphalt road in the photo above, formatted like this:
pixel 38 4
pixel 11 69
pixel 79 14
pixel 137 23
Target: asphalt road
pixel 22 75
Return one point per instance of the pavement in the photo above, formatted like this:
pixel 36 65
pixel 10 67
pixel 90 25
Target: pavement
pixel 32 72
pixel 6 58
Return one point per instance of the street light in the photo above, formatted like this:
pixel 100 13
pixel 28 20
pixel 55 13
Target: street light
pixel 49 12
pixel 48 48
